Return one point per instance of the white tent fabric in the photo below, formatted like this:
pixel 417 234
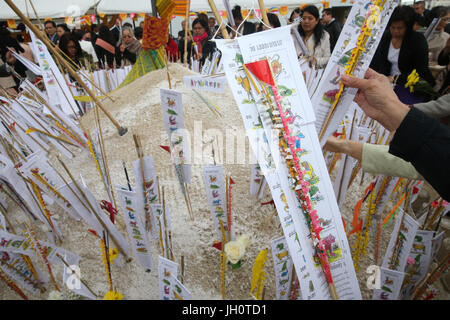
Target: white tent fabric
pixel 47 8
pixel 120 6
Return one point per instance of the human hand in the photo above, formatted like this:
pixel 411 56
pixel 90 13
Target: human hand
pixel 334 144
pixel 377 99
pixel 10 59
pixel 122 48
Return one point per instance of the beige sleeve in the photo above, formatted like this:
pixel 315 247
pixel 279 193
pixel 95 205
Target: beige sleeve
pixel 376 159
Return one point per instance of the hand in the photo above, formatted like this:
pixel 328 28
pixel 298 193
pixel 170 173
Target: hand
pixel 334 144
pixel 10 59
pixel 122 48
pixel 377 99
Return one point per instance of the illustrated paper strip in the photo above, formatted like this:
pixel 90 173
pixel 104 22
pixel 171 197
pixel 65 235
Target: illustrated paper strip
pixel 420 253
pixel 366 20
pixel 17 244
pixel 287 209
pixel 257 181
pixel 179 290
pixel 400 243
pixel 172 110
pixel 216 194
pixel 282 263
pixel 150 186
pixel 52 76
pixel 321 192
pixel 132 208
pixel 21 274
pixel 160 232
pixel 390 285
pixel 167 269
pixel 209 84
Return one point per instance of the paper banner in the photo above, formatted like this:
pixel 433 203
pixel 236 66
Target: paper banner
pixel 172 110
pixel 400 243
pixel 27 63
pixel 390 285
pixel 283 264
pixel 167 269
pixel 210 84
pixel 284 10
pixel 150 186
pixel 329 86
pixel 179 290
pixel 257 181
pixel 53 79
pixel 20 273
pixel 214 181
pixel 280 49
pixel 17 244
pixel 132 209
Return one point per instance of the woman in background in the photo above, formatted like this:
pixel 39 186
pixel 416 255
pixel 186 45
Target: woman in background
pixel 316 39
pixel 130 47
pixel 401 50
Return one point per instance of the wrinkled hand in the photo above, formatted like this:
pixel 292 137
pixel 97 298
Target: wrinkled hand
pixel 377 99
pixel 333 144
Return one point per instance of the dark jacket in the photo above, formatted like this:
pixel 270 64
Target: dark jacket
pixel 334 29
pixel 413 55
pixel 208 47
pixel 425 143
pixel 444 60
pixel 248 28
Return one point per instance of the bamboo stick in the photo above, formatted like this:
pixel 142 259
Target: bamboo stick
pixel 223 29
pixel 36 31
pixel 262 8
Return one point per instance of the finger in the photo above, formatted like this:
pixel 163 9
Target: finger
pixel 353 82
pixel 371 74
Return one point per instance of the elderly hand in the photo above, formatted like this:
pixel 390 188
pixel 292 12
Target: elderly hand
pixel 377 99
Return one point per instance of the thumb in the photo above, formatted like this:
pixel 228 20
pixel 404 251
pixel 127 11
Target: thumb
pixel 353 82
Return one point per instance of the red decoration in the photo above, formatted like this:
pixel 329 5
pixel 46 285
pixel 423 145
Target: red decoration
pixel 217 245
pixel 107 206
pixel 261 70
pixel 167 148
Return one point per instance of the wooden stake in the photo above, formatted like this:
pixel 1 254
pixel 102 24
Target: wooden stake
pixel 262 9
pixel 73 272
pixel 223 29
pixel 185 54
pixel 182 268
pixel 121 130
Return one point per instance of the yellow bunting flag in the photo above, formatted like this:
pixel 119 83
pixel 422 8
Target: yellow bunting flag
pixel 258 275
pixel 284 10
pixel 101 15
pixel 87 20
pixel 180 7
pixel 48 19
pixel 12 24
pixel 123 16
pixel 166 8
pixel 68 20
pixel 141 15
pixel 244 13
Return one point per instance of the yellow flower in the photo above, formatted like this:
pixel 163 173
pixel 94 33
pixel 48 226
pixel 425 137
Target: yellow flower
pixel 412 80
pixel 113 254
pixel 113 295
pixel 235 250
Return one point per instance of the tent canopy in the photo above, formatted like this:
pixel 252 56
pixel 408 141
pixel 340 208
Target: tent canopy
pixel 47 8
pixel 138 6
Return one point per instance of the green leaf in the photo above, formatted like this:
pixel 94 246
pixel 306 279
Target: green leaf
pixel 236 265
pixel 170 111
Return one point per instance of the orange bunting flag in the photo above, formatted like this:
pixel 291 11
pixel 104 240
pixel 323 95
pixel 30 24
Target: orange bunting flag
pixel 166 8
pixel 284 10
pixel 48 19
pixel 156 33
pixel 141 15
pixel 244 13
pixel 180 7
pixel 101 15
pixel 12 24
pixel 326 4
pixel 68 20
pixel 87 20
pixel 123 16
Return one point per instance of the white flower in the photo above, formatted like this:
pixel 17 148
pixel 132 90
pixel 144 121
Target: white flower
pixel 235 250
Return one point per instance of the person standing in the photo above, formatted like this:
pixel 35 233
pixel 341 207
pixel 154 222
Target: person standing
pixel 50 29
pixel 332 26
pixel 247 27
pixel 316 39
pixel 438 39
pixel 402 50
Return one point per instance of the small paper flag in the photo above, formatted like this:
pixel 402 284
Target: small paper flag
pixel 123 16
pixel 12 24
pixel 284 10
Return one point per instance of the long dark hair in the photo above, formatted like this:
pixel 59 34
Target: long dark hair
pixel 296 10
pixel 405 14
pixel 64 42
pixel 273 20
pixel 203 23
pixel 318 30
pixel 105 34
